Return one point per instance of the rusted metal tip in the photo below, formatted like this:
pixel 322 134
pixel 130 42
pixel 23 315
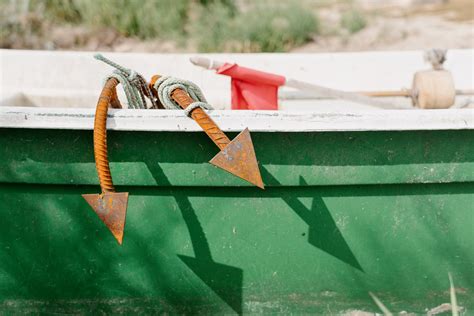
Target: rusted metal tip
pixel 238 158
pixel 111 207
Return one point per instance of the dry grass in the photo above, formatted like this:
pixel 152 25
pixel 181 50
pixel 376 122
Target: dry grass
pixel 211 25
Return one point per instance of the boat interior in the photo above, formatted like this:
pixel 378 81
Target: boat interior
pixel 75 79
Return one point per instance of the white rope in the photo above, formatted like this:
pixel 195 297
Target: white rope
pixel 165 87
pixel 134 85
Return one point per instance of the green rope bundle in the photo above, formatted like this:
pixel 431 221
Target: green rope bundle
pixel 166 85
pixel 134 85
pixel 136 89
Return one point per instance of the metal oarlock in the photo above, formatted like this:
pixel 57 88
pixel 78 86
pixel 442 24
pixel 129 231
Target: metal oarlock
pixel 237 156
pixel 110 206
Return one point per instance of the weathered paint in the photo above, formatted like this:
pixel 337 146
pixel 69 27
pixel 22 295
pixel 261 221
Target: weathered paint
pixel 343 213
pixel 346 158
pixel 236 121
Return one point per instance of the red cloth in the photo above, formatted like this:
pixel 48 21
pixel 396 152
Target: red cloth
pixel 252 89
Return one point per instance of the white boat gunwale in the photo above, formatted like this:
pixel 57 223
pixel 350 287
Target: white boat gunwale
pixel 234 121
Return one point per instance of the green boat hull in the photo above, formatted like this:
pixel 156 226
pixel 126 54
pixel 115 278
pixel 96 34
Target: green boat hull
pixel 343 214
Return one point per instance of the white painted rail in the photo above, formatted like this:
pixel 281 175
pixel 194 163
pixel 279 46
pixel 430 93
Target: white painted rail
pixel 256 121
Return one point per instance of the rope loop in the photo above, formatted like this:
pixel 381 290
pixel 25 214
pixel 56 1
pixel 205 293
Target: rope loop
pixel 196 105
pixel 165 87
pixel 134 85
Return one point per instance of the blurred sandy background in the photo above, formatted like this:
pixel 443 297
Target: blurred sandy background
pixel 236 26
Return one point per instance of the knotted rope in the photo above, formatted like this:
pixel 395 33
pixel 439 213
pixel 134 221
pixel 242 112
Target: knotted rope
pixel 436 57
pixel 134 85
pixel 166 85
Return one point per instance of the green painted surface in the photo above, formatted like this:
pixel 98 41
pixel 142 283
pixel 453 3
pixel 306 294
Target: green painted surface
pixel 138 158
pixel 343 214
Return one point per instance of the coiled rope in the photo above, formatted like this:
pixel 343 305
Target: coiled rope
pixel 134 85
pixel 166 85
pixel 137 90
pixel 436 57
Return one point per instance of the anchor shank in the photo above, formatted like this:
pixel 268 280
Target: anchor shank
pixel 110 206
pixel 237 156
pixel 201 117
pixel 107 96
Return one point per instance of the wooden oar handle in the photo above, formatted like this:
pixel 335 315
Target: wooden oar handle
pixel 107 96
pixel 208 125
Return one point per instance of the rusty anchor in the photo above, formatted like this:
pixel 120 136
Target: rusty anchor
pixel 237 156
pixel 110 206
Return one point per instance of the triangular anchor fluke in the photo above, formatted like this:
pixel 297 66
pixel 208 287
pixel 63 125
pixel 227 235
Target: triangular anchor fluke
pixel 111 207
pixel 238 158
